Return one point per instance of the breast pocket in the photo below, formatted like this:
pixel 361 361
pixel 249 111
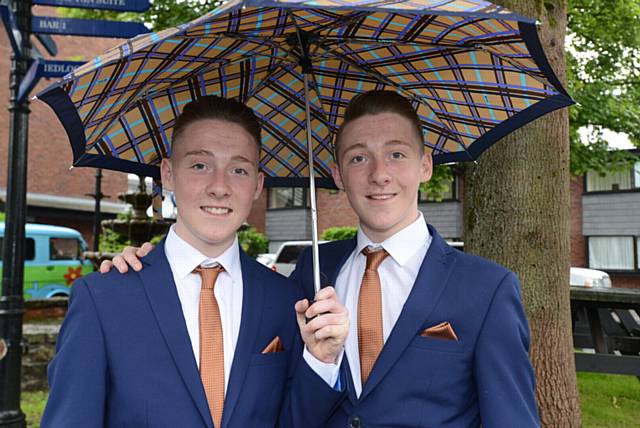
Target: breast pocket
pixel 440 345
pixel 263 389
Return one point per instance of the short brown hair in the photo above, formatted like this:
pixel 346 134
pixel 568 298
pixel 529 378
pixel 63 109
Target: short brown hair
pixel 212 107
pixel 378 102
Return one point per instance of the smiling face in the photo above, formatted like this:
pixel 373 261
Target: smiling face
pixel 381 166
pixel 213 172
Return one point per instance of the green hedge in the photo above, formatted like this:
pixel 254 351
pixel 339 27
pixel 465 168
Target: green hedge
pixel 339 233
pixel 253 242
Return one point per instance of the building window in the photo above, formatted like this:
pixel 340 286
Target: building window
pixel 449 194
pixel 614 252
pixel 615 181
pixel 288 197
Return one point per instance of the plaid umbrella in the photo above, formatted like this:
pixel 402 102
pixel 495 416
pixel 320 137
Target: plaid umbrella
pixel 473 70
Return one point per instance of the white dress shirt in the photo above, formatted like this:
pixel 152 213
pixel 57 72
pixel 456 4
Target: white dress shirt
pixel 398 273
pixel 183 259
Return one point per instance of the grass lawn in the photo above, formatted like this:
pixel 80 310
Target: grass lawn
pixel 33 406
pixel 607 401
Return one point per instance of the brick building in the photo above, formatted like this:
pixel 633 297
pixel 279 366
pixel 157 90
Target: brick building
pixel 56 194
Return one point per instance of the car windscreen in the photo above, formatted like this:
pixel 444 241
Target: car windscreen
pixel 290 253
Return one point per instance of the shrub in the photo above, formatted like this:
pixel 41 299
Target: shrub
pixel 339 233
pixel 253 242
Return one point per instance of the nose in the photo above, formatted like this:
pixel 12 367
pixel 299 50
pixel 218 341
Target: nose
pixel 218 185
pixel 379 173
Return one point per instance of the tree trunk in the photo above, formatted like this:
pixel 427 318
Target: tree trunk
pixel 516 212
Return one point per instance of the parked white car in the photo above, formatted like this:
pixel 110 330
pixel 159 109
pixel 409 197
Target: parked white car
pixel 284 260
pixel 589 278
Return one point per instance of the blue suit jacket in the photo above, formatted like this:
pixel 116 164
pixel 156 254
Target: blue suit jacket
pixel 483 378
pixel 124 357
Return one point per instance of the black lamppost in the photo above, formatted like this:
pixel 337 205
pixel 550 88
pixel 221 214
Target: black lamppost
pixel 11 300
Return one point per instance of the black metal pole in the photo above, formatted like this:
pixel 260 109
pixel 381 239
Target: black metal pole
pixel 11 301
pixel 97 215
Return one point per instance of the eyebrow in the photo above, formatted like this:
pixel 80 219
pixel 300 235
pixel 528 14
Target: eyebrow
pixel 200 152
pixel 387 143
pixel 203 152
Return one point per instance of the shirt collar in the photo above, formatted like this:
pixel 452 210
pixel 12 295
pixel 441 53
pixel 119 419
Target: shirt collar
pixel 184 258
pixel 404 244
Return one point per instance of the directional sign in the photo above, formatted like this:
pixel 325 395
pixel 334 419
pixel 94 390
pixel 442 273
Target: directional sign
pixel 118 5
pixel 29 81
pixel 44 68
pixel 48 43
pixel 58 69
pixel 86 27
pixel 15 37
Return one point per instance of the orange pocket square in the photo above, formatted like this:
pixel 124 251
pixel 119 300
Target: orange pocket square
pixel 440 331
pixel 274 346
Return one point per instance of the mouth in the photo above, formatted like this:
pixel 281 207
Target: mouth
pixel 216 211
pixel 381 196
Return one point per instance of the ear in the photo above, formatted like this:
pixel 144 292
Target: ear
pixel 335 173
pixel 426 167
pixel 259 186
pixel 166 172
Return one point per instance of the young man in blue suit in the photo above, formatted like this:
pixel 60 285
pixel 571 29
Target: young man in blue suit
pixel 438 337
pixel 454 336
pixel 204 336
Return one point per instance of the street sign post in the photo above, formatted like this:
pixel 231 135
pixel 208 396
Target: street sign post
pixel 27 67
pixel 117 5
pixel 86 27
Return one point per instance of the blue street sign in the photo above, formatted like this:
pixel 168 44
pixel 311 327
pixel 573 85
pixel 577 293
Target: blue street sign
pixel 48 43
pixel 86 27
pixel 44 68
pixel 15 37
pixel 29 81
pixel 118 5
pixel 58 68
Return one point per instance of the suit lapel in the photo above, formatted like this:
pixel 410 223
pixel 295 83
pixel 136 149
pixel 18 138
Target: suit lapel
pixel 160 288
pixel 252 307
pixel 332 260
pixel 430 283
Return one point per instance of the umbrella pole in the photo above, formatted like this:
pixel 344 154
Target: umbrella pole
pixel 312 190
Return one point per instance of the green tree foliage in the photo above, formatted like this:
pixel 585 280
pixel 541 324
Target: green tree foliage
pixel 339 233
pixel 1 216
pixel 162 13
pixel 603 72
pixel 440 181
pixel 253 242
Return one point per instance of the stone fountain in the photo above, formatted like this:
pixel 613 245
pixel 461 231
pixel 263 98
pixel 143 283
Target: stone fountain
pixel 140 227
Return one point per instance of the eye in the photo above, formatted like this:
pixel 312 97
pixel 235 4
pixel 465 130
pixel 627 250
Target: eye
pixel 397 155
pixel 357 159
pixel 198 166
pixel 240 171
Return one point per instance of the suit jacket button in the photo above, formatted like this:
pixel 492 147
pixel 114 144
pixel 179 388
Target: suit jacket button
pixel 355 422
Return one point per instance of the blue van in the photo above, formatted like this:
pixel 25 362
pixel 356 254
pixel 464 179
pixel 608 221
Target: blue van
pixel 53 260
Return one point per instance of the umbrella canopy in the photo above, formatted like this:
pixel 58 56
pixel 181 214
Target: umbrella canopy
pixel 474 72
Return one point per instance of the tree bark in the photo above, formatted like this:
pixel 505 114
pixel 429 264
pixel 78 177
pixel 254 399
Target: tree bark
pixel 516 212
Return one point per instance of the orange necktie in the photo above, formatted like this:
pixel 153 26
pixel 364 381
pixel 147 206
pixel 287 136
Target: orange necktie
pixel 370 335
pixel 211 344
